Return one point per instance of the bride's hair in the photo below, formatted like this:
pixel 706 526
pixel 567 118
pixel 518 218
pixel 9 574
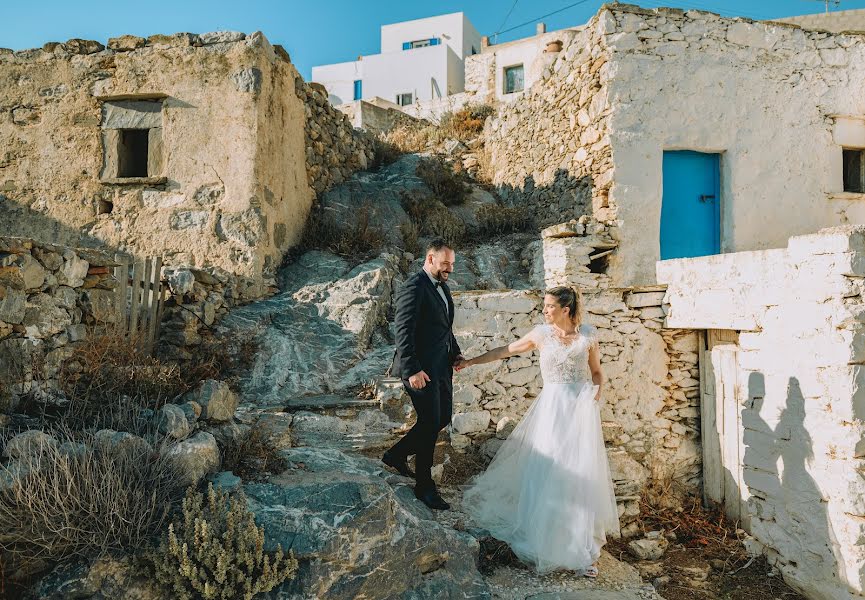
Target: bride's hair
pixel 570 298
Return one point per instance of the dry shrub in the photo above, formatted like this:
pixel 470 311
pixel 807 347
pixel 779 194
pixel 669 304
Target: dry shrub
pixel 485 173
pixel 386 153
pixel 495 219
pixel 447 185
pixel 360 240
pixel 466 123
pixel 410 232
pixel 412 138
pixel 252 456
pixel 217 551
pixel 432 218
pixel 81 501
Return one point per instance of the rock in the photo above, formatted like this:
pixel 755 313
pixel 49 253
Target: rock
pixel 471 422
pixel 221 37
pixel 397 549
pixel 195 457
pixel 171 422
pixel 648 549
pixel 229 434
pixel 217 401
pixel 181 281
pixel 122 442
pixel 454 146
pixel 29 443
pixel 106 577
pixel 78 46
pixel 12 305
pixel 490 447
pixel 504 427
pixel 73 271
pixel 225 480
pixel 124 43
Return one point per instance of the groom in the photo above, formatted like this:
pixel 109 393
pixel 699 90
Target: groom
pixel 426 353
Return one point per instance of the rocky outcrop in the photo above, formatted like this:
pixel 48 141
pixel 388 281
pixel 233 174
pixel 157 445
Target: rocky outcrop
pixel 357 535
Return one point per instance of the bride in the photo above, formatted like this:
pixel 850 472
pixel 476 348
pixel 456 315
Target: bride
pixel 548 492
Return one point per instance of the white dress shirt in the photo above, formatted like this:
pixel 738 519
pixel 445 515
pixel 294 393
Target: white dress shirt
pixel 441 292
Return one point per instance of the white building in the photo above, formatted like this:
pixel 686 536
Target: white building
pixel 419 60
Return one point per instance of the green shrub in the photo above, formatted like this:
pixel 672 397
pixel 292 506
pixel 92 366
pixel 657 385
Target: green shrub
pixel 217 551
pixel 84 500
pixel 410 233
pixel 495 219
pixel 448 186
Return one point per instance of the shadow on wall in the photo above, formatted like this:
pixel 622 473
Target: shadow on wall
pixel 788 510
pixel 19 220
pixel 563 199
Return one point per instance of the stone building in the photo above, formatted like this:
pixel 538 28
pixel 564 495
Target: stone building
pixel 205 149
pixel 768 113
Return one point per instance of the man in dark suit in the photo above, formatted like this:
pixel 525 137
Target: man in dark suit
pixel 426 353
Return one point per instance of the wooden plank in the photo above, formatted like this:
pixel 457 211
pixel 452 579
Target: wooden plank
pixel 145 305
pixel 727 360
pixel 709 433
pixel 137 275
pixel 121 273
pixel 153 323
pixel 162 293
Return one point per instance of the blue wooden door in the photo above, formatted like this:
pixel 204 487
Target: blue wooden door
pixel 690 207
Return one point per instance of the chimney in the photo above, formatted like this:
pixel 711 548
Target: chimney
pixel 485 41
pixel 541 28
pixel 360 56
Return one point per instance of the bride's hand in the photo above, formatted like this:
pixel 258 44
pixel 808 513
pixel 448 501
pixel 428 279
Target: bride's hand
pixel 462 364
pixel 598 397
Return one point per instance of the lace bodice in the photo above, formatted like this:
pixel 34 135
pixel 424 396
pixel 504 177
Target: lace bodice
pixel 563 362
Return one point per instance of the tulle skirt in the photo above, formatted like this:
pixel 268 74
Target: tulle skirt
pixel 548 491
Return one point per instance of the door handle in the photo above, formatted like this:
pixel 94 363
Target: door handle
pixel 707 197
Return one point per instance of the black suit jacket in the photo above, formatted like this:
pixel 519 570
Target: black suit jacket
pixel 424 330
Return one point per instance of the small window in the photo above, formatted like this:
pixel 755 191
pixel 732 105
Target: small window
pixel 421 43
pixel 132 152
pixel 358 89
pixel 854 170
pixel 513 79
pixel 474 51
pixel 404 99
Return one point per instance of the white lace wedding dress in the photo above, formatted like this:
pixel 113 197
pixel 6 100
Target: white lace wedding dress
pixel 548 491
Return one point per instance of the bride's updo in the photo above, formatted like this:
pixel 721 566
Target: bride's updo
pixel 570 298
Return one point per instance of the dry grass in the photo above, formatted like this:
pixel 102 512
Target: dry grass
pixel 495 219
pixel 432 218
pixel 358 241
pixel 253 457
pixel 466 123
pixel 448 186
pixel 85 501
pixel 386 153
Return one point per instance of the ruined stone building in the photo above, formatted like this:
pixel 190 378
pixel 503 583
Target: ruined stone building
pixel 207 149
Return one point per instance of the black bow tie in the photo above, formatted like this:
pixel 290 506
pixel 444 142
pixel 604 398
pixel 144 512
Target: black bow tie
pixel 438 283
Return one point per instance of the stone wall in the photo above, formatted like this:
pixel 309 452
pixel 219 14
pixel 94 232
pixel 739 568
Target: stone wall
pixel 650 412
pixel 551 149
pixel 238 146
pixel 334 149
pixel 49 298
pixel 376 115
pixel 798 396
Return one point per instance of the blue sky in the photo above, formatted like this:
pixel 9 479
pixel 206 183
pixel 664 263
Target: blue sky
pixel 323 31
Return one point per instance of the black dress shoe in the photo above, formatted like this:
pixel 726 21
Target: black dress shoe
pixel 432 499
pixel 398 464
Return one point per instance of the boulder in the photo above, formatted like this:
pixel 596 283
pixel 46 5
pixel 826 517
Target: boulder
pixel 171 422
pixel 28 443
pixel 504 427
pixel 355 536
pixel 195 457
pixel 471 422
pixel 216 399
pixel 652 547
pixel 122 442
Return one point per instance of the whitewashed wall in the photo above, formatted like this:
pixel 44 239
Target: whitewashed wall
pixel 339 80
pixel 800 380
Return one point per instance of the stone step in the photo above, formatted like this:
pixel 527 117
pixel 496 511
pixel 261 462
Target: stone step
pixel 329 402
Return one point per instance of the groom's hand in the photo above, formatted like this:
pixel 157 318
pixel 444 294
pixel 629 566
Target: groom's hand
pixel 419 380
pixel 459 363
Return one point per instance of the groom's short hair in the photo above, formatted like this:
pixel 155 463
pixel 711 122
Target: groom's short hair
pixel 437 244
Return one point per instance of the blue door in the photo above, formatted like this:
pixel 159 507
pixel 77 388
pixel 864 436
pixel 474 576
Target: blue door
pixel 690 207
pixel 358 89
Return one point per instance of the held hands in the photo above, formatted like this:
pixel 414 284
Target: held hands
pixel 461 363
pixel 419 380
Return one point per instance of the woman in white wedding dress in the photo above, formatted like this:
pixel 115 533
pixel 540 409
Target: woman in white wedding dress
pixel 548 491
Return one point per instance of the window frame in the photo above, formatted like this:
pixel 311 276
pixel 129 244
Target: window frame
pixel 505 71
pixel 401 96
pixel 846 177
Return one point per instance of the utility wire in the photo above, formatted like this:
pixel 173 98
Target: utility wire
pixel 529 22
pixel 507 16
